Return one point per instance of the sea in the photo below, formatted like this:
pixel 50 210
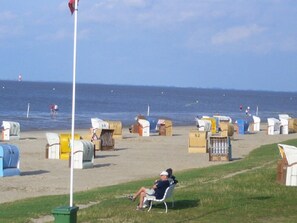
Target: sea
pixel 29 104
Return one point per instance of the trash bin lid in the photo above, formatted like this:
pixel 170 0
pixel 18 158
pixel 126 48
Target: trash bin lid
pixel 65 210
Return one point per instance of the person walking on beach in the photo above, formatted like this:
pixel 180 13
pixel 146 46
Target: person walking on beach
pixel 157 190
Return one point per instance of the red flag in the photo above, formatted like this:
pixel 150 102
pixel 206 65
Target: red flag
pixel 71 5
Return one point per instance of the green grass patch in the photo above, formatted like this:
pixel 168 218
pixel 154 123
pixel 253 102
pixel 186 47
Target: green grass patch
pixel 242 191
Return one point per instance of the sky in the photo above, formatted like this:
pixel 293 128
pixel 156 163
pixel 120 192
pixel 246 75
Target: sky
pixel 229 44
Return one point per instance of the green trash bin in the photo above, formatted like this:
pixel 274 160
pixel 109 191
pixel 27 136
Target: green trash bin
pixel 65 214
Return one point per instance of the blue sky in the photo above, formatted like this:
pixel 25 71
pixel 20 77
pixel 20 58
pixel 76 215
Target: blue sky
pixel 232 44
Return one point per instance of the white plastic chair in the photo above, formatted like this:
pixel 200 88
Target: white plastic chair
pixel 168 193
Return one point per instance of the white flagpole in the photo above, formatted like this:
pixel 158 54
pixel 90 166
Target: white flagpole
pixel 73 103
pixel 28 110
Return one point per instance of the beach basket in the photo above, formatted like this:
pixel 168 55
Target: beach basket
pixel 165 127
pixel 117 127
pixel 9 160
pixel 214 126
pixel 198 142
pixel 106 140
pixel 227 129
pixel 219 148
pixel 65 149
pixel 292 125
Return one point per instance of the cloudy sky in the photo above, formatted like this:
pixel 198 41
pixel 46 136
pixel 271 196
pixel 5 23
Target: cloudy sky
pixel 232 44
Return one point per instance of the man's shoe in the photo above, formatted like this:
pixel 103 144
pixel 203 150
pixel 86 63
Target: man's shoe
pixel 130 197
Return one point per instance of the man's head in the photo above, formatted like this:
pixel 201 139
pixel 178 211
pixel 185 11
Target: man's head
pixel 164 175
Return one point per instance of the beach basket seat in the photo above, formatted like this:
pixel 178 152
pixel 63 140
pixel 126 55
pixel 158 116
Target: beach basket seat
pixel 227 129
pixel 9 160
pixel 256 123
pixel 168 194
pixel 107 142
pixel 144 127
pixel 198 141
pixel 10 130
pixel 153 126
pixel 214 124
pixel 287 169
pixel 284 127
pixel 223 118
pixel 220 148
pixel 99 124
pixel 65 149
pixel 52 149
pixel 83 154
pixel 165 127
pixel 117 127
pixel 284 116
pixel 292 125
pixel 204 125
pixel 242 126
pixel 273 126
pixel 134 128
pixel 285 120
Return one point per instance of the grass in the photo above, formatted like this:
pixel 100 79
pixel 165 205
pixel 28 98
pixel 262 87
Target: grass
pixel 243 191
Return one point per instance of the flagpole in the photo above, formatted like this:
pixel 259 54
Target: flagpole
pixel 73 102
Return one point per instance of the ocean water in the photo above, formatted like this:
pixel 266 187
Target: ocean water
pixel 117 102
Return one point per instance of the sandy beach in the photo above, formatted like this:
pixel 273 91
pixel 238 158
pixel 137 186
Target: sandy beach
pixel 134 158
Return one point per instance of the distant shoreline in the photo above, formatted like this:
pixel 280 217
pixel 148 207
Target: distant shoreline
pixel 148 86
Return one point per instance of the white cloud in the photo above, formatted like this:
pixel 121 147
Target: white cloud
pixel 62 34
pixel 236 34
pixel 288 44
pixel 6 30
pixel 7 15
pixel 59 35
pixel 146 13
pixel 135 3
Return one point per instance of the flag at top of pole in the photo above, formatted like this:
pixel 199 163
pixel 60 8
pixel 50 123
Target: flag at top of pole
pixel 71 5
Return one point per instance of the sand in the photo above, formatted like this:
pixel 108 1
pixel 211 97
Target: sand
pixel 135 158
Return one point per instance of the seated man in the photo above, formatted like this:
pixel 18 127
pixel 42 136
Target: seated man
pixel 157 190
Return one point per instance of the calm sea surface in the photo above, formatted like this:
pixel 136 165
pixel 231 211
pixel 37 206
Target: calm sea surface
pixel 115 102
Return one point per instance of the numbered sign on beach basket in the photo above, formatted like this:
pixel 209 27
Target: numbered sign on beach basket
pixel 219 148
